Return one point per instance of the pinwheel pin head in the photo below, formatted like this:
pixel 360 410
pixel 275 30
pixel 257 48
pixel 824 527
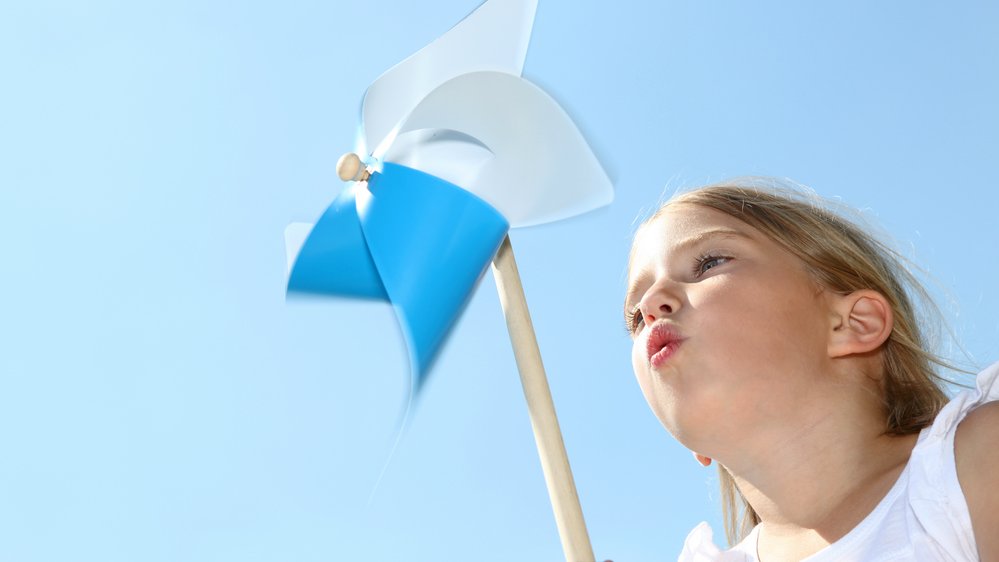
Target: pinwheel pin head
pixel 350 168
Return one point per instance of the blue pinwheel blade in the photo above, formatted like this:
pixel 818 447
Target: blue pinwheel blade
pixel 334 260
pixel 431 241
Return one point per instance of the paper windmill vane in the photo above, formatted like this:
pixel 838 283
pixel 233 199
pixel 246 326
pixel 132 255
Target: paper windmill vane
pixel 455 148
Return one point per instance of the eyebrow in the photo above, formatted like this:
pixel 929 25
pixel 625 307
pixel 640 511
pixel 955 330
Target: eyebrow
pixel 684 245
pixel 707 234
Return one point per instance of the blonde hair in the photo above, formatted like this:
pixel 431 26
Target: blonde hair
pixel 844 258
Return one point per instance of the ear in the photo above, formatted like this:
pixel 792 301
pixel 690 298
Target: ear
pixel 861 322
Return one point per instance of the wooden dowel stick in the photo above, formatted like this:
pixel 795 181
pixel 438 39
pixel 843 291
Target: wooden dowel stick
pixel 551 449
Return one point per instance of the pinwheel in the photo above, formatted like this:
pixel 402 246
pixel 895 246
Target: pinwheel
pixel 464 148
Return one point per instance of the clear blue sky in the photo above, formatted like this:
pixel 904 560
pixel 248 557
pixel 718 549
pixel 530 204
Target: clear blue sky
pixel 159 399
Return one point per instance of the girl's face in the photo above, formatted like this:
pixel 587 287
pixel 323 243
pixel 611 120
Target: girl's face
pixel 730 331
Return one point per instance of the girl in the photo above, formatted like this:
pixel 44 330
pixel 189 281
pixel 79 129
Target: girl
pixel 781 341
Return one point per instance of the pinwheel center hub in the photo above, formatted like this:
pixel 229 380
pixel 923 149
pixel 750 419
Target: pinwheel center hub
pixel 350 168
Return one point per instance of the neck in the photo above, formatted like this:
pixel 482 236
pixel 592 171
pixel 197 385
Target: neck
pixel 815 482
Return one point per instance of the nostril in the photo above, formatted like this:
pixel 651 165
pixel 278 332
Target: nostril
pixel 666 308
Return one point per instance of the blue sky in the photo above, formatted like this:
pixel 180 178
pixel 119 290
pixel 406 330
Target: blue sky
pixel 159 399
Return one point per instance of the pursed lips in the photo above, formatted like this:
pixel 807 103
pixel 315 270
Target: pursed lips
pixel 664 340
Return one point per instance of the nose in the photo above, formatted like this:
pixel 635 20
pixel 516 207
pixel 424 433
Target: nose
pixel 661 301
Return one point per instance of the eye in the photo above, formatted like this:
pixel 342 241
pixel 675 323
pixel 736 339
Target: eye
pixel 708 261
pixel 633 319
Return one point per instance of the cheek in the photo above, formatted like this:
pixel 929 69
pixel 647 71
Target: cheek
pixel 764 325
pixel 757 365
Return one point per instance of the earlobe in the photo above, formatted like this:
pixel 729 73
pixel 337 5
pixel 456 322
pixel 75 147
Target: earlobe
pixel 862 321
pixel 702 460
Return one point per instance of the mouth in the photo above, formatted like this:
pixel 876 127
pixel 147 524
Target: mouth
pixel 663 342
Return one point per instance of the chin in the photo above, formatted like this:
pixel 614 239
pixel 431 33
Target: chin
pixel 695 428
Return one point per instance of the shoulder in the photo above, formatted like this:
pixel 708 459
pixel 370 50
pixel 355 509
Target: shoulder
pixel 976 453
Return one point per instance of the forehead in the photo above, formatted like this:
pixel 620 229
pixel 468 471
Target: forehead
pixel 679 225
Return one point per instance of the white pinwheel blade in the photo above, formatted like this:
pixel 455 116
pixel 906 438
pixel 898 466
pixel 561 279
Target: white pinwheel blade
pixel 494 37
pixel 294 238
pixel 541 169
pixel 450 155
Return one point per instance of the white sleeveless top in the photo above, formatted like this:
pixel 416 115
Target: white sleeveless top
pixel 924 517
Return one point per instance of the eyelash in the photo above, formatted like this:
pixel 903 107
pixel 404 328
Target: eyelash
pixel 629 319
pixel 632 316
pixel 705 259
